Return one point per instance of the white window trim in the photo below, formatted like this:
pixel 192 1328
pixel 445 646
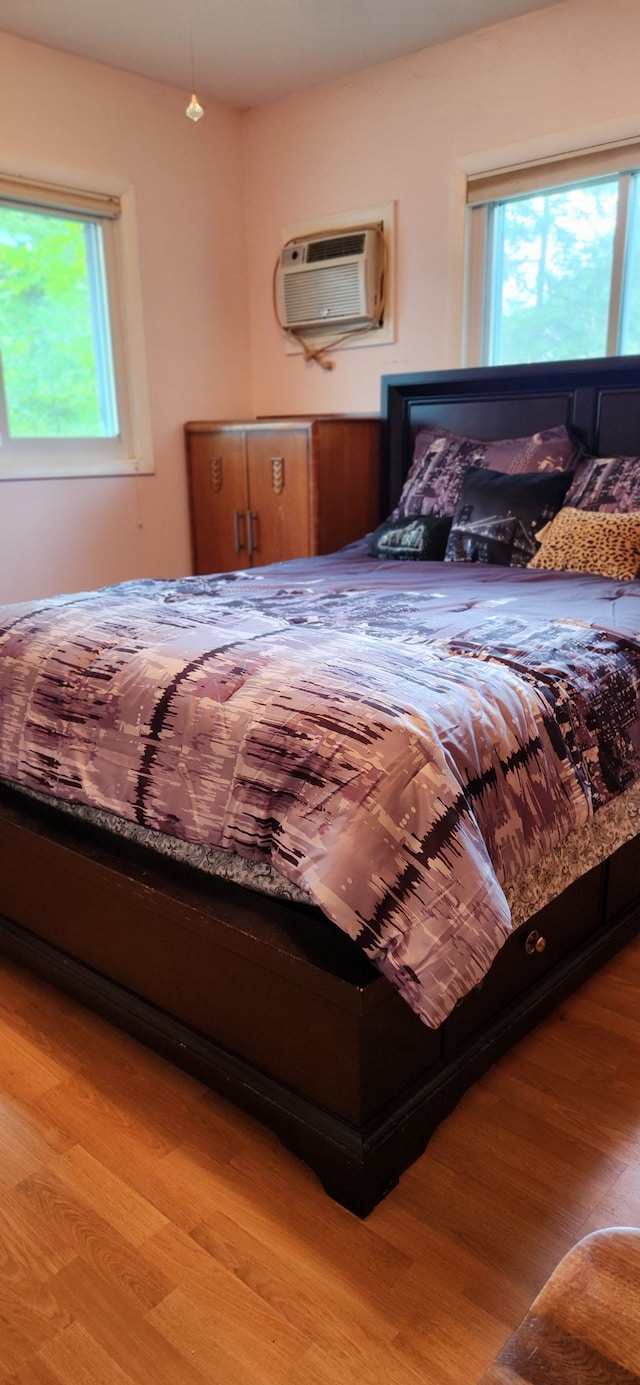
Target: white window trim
pixel 486 193
pixel 39 459
pixel 541 149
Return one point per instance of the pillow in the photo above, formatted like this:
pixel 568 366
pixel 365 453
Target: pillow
pixel 441 458
pixel 417 537
pixel 608 484
pixel 584 541
pixel 498 515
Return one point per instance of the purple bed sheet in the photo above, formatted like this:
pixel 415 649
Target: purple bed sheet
pixel 398 739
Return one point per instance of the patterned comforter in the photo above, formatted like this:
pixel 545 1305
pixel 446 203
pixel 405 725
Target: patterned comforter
pixel 399 740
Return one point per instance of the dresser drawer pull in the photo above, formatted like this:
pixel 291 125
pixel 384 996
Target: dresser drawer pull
pixel 215 472
pixel 237 521
pixel 534 942
pixel 277 474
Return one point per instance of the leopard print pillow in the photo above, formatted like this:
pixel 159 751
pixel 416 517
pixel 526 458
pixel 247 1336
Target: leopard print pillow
pixel 588 541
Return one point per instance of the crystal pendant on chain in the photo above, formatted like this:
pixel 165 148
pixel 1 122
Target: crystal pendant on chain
pixel 194 109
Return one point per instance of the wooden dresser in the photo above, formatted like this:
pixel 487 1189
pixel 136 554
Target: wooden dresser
pixel 281 488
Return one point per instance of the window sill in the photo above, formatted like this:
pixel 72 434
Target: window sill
pixel 41 468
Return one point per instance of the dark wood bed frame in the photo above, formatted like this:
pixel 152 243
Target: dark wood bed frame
pixel 266 1001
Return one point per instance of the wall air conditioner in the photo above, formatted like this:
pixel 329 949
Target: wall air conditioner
pixel 332 281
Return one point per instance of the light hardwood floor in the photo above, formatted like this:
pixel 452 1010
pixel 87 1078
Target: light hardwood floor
pixel 151 1234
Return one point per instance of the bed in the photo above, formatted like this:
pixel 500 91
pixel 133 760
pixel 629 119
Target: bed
pixel 330 1031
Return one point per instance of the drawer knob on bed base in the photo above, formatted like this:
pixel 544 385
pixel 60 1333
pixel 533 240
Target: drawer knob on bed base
pixel 534 942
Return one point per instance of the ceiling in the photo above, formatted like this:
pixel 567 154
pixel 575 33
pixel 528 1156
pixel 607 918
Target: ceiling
pixel 250 51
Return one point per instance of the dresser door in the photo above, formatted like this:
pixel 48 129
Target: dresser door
pixel 219 500
pixel 279 516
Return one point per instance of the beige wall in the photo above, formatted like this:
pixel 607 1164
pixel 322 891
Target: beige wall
pixel 405 132
pixel 62 535
pixel 402 132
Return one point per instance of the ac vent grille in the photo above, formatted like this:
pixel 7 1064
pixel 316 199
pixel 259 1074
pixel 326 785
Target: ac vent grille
pixel 335 247
pixel 330 281
pixel 326 295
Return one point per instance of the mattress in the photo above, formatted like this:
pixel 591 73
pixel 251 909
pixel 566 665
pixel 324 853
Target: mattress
pixel 579 852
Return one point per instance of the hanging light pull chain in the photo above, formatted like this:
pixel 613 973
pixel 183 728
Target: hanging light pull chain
pixel 194 109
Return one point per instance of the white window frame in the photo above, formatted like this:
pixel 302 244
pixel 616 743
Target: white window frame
pixel 130 452
pixel 486 189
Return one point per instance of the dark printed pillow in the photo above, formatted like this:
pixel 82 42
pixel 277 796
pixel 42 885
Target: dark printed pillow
pixel 418 537
pixel 414 538
pixel 608 484
pixel 498 515
pixel 441 459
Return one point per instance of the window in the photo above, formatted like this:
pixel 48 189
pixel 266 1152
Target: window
pixel 66 379
pixel 554 260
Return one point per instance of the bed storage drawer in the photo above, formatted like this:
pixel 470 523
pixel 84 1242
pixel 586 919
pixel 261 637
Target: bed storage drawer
pixel 531 951
pixel 281 988
pixel 623 879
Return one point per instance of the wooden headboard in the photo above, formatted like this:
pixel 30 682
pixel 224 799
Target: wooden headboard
pixel 598 400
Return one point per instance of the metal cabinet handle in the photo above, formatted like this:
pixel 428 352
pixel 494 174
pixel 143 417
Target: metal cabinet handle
pixel 237 521
pixel 251 542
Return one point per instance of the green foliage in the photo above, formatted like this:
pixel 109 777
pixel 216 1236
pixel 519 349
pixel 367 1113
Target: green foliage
pixel 46 331
pixel 555 250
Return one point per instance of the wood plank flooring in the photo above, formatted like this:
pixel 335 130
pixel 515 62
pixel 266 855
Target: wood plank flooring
pixel 150 1234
